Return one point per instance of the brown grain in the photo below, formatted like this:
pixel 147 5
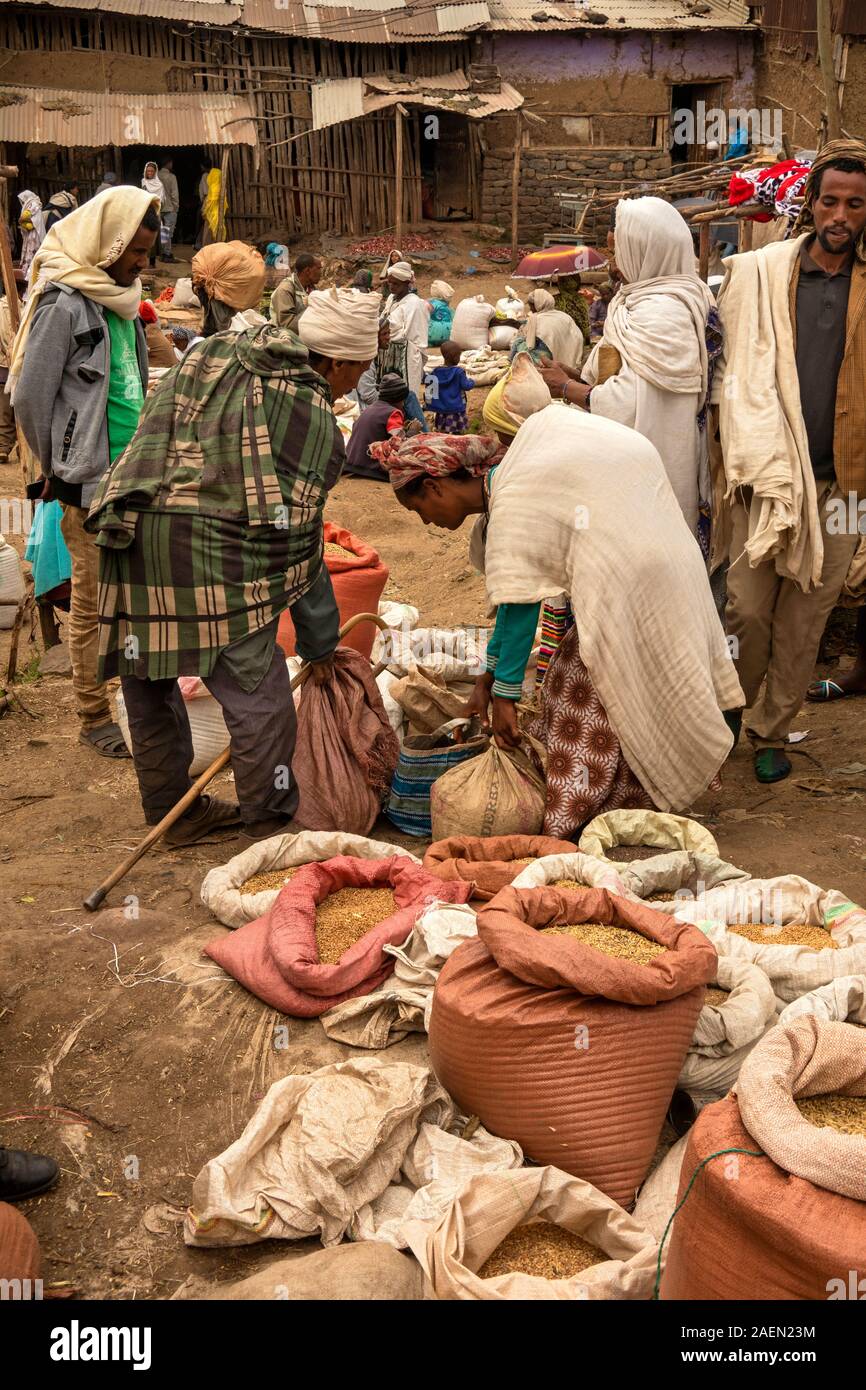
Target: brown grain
pixel 795 934
pixel 847 1114
pixel 347 915
pixel 262 883
pixel 716 996
pixel 621 942
pixel 623 854
pixel 544 1250
pixel 331 548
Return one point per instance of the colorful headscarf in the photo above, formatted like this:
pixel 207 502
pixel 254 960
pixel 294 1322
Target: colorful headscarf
pixel 434 456
pixel 829 154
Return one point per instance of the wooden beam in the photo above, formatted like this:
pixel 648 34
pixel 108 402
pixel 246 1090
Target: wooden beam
pixel 824 26
pixel 398 137
pixel 704 251
pixel 515 186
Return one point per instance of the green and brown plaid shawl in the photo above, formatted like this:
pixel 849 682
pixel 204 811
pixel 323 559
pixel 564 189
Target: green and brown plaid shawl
pixel 210 522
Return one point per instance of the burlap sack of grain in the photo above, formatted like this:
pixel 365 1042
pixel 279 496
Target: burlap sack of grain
pixel 426 701
pixel 791 1222
pixel 678 875
pixel 389 1014
pixel 583 868
pixel 277 956
pixel 501 792
pixel 572 1052
pixel 792 970
pixel 726 1033
pixel 322 1148
pixel 842 1001
pixel 618 828
pixel 657 1198
pixel 221 889
pixel 492 1205
pixel 367 1270
pixel 488 863
pixel 346 750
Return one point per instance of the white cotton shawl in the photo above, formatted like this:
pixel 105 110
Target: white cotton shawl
pixel 584 505
pixel 762 431
pixel 559 332
pixel 657 319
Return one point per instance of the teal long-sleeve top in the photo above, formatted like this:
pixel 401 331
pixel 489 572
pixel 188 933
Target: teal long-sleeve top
pixel 509 648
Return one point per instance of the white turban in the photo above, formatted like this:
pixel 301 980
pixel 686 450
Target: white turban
pixel 539 300
pixel 440 289
pixel 341 323
pixel 401 270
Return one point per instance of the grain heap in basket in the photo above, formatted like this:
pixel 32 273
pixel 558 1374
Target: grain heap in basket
pixel 792 1224
pixel 309 953
pixel 488 863
pixel 555 1042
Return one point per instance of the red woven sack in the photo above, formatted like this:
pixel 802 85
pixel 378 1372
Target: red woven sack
pixel 346 751
pixel 573 1053
pixel 488 862
pixel 276 956
pixel 359 580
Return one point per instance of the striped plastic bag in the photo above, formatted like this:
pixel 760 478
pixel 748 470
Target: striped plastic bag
pixel 423 759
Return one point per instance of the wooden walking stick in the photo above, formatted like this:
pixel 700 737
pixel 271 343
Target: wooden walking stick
pixel 98 896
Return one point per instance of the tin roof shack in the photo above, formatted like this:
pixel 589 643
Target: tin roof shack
pixel 302 104
pixel 789 79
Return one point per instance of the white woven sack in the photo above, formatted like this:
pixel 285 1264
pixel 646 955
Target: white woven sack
pixel 220 890
pixel 11 583
pixel 792 970
pixel 682 873
pixel 470 322
pixel 842 1001
pixel 726 1033
pixel 615 828
pixel 657 1198
pixel 584 868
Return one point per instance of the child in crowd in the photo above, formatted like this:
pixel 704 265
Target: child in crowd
pixel 446 392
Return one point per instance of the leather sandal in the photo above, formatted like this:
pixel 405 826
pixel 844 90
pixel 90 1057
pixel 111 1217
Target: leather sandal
pixel 105 739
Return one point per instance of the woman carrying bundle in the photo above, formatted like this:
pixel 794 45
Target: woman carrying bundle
pixel 631 706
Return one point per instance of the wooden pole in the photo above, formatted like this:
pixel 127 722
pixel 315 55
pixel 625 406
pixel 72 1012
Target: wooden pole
pixel 398 139
pixel 221 210
pixel 515 187
pixel 704 251
pixel 828 75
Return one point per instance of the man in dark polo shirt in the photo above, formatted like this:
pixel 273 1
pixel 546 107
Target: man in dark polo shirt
pixel 776 622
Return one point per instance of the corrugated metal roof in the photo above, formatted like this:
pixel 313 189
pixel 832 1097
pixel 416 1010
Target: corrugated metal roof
pixel 416 21
pixel 43 116
pixel 345 99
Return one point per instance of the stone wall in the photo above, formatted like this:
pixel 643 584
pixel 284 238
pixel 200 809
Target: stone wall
pixel 539 211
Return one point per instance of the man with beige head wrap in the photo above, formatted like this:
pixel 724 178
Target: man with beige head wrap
pixel 228 277
pixel 78 376
pixel 409 319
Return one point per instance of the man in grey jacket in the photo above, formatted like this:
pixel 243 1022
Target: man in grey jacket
pixel 78 393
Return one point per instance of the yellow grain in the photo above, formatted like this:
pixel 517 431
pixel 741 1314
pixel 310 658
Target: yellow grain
pixel 331 548
pixel 544 1250
pixel 621 942
pixel 569 883
pixel 716 996
pixel 347 915
pixel 262 883
pixel 794 934
pixel 847 1114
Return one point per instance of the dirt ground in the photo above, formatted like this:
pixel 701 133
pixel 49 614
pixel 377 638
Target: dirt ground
pixel 128 1056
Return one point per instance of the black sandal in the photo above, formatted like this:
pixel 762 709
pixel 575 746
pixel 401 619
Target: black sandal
pixel 107 740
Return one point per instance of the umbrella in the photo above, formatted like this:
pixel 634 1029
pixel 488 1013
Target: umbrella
pixel 559 260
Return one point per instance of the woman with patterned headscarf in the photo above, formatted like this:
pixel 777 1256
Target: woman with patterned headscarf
pixel 32 224
pixel 630 707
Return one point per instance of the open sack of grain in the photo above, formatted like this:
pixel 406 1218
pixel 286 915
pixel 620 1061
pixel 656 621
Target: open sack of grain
pixel 615 833
pixel 800 935
pixel 739 1007
pixel 346 750
pixel 501 792
pixel 490 862
pixel 679 874
pixel 571 1044
pixel 570 869
pixel 322 940
pixel 248 885
pixel 356 1149
pixel 780 1211
pixel 403 1005
pixel 358 577
pixel 842 1001
pixel 538 1234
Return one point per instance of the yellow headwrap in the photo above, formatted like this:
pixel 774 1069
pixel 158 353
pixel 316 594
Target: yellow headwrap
pixel 493 411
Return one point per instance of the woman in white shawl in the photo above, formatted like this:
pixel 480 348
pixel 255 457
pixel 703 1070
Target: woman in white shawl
pixel 153 184
pixel 631 704
pixel 664 331
pixel 549 333
pixel 32 224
